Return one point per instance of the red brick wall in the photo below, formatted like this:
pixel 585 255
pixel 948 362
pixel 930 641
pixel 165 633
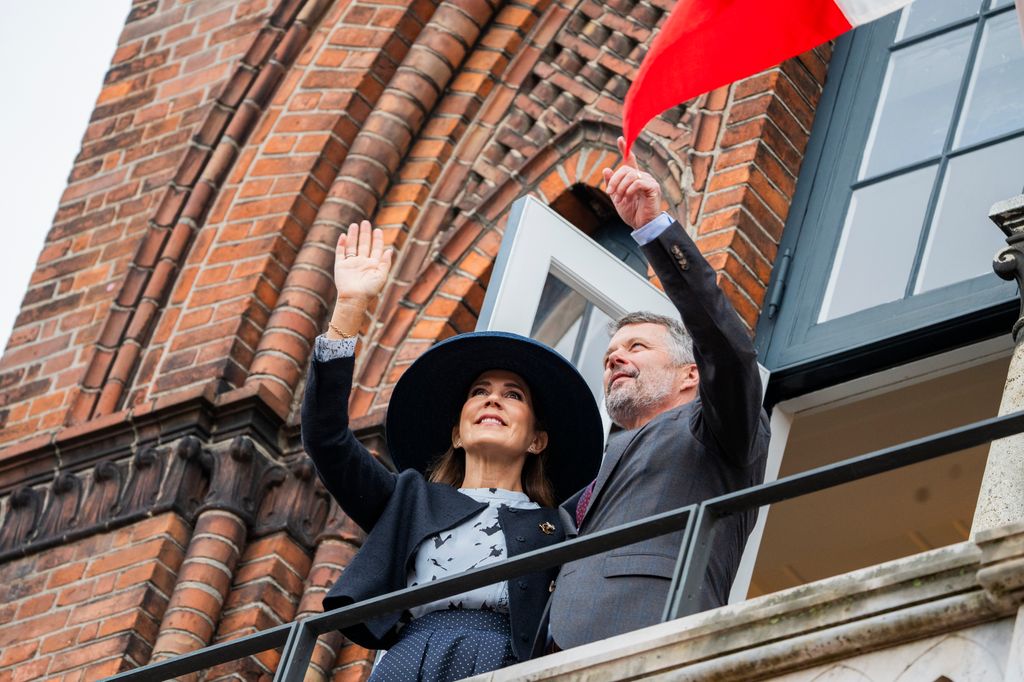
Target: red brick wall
pixel 238 138
pixel 86 607
pixel 188 270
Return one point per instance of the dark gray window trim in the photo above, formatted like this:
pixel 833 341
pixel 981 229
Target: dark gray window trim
pixel 803 355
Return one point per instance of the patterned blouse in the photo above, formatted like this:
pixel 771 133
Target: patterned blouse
pixel 477 542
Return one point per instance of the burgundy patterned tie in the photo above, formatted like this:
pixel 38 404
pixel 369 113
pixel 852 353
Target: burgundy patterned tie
pixel 581 506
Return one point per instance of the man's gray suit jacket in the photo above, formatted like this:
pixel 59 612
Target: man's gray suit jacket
pixel 713 445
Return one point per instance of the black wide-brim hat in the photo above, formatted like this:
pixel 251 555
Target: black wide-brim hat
pixel 428 399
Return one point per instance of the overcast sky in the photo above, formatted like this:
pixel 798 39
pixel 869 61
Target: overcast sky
pixel 53 56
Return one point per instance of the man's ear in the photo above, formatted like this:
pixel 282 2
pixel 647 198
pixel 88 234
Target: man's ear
pixel 540 442
pixel 689 377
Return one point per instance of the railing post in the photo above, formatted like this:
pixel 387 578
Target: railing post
pixel 677 573
pixel 298 651
pixel 685 599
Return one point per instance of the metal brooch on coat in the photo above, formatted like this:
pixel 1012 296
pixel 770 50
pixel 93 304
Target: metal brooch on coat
pixel 547 527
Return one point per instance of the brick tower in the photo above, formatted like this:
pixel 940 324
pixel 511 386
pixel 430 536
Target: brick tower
pixel 155 496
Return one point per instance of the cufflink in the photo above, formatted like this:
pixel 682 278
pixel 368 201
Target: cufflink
pixel 547 527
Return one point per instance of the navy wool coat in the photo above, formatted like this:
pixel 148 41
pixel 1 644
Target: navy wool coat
pixel 399 511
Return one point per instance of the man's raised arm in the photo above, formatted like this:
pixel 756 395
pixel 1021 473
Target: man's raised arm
pixel 730 385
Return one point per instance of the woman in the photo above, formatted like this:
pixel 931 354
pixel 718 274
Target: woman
pixel 488 431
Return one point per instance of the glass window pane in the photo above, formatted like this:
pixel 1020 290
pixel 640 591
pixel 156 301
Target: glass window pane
pixel 963 240
pixel 916 102
pixel 562 313
pixel 878 244
pixel 994 104
pixel 591 360
pixel 925 15
pixel 558 316
pixel 1000 3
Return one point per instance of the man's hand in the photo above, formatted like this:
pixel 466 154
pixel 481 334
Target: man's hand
pixel 361 263
pixel 634 193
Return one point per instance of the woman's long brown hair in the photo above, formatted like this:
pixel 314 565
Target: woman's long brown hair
pixel 450 468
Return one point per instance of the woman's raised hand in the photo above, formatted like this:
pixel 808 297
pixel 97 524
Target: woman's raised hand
pixel 361 263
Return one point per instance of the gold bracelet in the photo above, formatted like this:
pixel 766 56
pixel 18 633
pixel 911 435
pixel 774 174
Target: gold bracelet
pixel 334 328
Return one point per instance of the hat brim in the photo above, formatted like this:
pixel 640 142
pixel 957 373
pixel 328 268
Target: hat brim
pixel 428 398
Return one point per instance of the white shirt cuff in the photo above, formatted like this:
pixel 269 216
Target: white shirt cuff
pixel 325 349
pixel 652 230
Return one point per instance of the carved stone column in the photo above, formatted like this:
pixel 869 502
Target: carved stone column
pixel 241 476
pixel 1001 500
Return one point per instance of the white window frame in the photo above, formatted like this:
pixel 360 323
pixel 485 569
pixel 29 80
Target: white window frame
pixel 538 241
pixel 862 388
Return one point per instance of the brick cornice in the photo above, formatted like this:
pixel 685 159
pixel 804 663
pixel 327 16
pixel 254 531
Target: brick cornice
pixel 199 412
pixel 299 506
pixel 77 503
pixel 241 476
pixel 118 472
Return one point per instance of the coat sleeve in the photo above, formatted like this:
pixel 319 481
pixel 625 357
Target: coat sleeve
pixel 358 482
pixel 730 386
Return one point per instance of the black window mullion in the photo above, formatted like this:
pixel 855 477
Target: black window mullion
pixel 889 175
pixel 935 32
pixel 940 173
pixel 983 144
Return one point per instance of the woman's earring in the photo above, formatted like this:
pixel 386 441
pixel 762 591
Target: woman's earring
pixel 457 444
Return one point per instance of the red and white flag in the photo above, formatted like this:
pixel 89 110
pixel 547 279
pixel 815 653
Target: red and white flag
pixel 705 44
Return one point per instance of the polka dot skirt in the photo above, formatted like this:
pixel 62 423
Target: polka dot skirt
pixel 444 646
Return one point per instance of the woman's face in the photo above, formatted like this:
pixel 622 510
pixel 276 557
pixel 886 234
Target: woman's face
pixel 497 417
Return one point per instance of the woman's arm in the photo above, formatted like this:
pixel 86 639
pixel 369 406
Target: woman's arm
pixel 360 484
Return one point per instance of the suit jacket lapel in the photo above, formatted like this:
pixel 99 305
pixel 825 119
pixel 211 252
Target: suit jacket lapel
pixel 618 443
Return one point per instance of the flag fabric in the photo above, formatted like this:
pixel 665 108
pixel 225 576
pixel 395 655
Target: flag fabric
pixel 705 44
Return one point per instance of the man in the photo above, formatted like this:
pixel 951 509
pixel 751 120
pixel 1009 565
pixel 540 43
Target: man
pixel 692 428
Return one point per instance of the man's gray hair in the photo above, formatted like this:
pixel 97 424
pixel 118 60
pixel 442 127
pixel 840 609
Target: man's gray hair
pixel 680 343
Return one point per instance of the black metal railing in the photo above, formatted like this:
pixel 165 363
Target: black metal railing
pixel 698 522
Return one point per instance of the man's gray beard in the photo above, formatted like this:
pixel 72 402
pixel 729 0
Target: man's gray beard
pixel 635 398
